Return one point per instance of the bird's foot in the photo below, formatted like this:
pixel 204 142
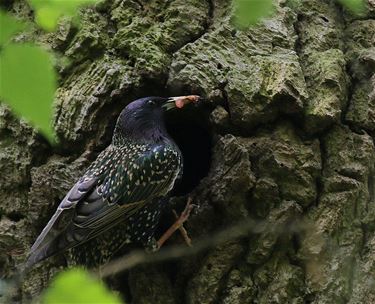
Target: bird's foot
pixel 183 231
pixel 178 224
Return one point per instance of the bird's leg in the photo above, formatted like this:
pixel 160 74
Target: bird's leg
pixel 183 231
pixel 178 224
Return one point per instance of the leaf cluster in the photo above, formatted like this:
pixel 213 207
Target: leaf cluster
pixel 78 286
pixel 28 80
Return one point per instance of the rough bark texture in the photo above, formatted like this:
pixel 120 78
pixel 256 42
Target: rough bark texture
pixel 293 129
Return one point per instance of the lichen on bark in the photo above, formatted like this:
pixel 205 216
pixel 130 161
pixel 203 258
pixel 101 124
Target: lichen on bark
pixel 293 130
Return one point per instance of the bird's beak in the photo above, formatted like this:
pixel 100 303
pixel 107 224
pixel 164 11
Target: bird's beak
pixel 180 101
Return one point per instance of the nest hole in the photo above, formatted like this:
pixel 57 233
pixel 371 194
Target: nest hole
pixel 190 129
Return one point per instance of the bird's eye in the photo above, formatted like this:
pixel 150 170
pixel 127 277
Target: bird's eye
pixel 151 102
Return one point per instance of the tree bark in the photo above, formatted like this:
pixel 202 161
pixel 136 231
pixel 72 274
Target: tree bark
pixel 292 132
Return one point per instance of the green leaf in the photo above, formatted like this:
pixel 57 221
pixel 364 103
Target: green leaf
pixel 48 12
pixel 8 27
pixel 47 17
pixel 355 6
pixel 77 286
pixel 28 84
pixel 249 12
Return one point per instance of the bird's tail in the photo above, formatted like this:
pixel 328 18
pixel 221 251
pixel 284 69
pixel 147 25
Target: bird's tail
pixel 66 239
pixel 47 249
pixel 41 253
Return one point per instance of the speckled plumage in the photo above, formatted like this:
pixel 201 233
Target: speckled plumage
pixel 118 199
pixel 138 228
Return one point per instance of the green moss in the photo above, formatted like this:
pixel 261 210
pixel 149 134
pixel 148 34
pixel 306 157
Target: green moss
pixel 290 165
pixel 328 84
pixel 206 286
pixel 279 282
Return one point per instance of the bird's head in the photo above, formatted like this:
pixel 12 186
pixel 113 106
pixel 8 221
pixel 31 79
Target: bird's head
pixel 143 119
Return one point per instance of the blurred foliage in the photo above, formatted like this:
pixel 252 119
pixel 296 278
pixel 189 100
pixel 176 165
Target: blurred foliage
pixel 78 286
pixel 9 26
pixel 28 83
pixel 249 12
pixel 48 12
pixel 357 7
pixel 27 76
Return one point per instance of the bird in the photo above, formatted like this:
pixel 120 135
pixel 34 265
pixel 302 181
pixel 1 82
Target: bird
pixel 121 195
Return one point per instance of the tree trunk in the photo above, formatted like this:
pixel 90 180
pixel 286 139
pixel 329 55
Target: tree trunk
pixel 288 145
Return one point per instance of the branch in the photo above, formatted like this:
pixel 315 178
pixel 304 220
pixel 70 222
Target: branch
pixel 138 257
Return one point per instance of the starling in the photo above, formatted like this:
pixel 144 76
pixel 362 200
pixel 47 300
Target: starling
pixel 121 195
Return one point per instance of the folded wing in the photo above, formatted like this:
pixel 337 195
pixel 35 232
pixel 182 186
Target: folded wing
pixel 114 187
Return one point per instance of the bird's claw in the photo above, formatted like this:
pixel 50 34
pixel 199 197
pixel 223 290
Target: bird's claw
pixel 178 225
pixel 186 212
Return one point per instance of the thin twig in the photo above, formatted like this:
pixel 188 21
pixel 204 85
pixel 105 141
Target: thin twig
pixel 138 257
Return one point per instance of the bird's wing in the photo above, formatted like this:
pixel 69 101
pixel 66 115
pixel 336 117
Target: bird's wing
pixel 127 188
pixel 114 187
pixel 78 192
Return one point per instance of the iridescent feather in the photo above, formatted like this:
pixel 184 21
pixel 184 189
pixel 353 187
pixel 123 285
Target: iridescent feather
pixel 134 171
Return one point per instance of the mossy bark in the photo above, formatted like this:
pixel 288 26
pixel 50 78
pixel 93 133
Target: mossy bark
pixel 293 123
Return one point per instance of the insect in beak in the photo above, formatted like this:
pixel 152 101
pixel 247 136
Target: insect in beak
pixel 180 101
